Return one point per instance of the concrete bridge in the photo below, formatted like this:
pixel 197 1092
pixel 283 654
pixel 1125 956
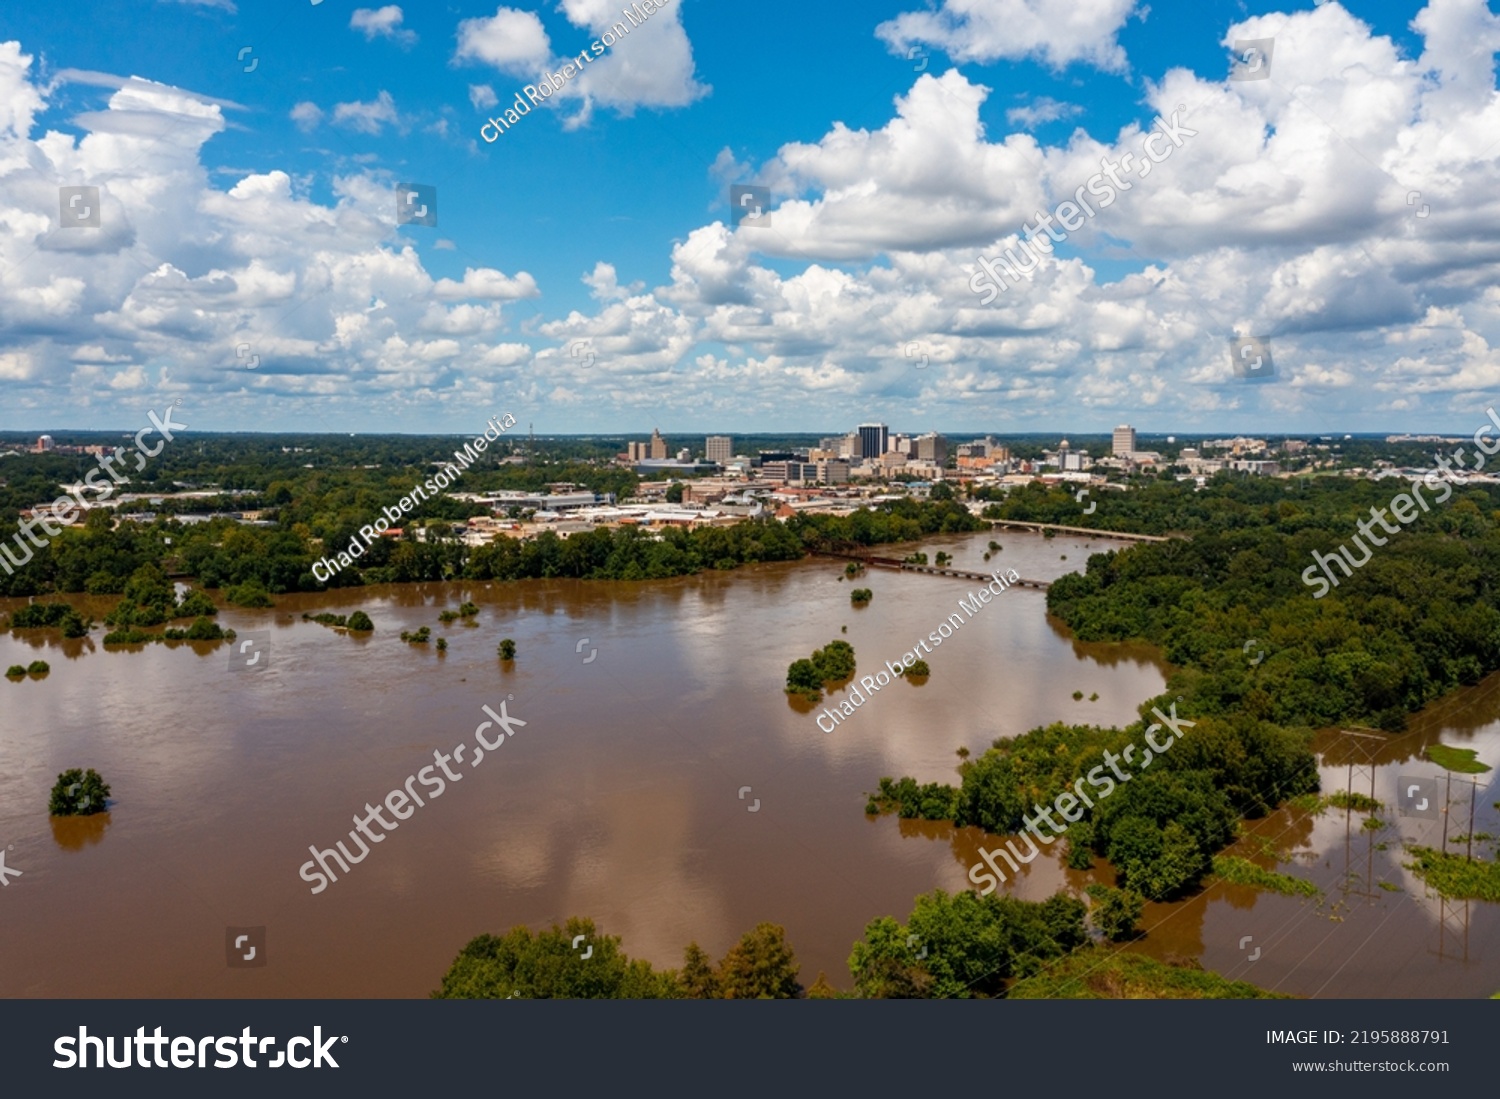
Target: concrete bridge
pixel 896 564
pixel 1124 536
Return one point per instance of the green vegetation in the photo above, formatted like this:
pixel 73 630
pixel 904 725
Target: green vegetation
pixel 196 604
pixel 860 596
pixel 337 621
pixel 919 671
pixel 202 629
pixel 832 664
pixel 1238 871
pixel 1077 696
pixel 853 569
pixel 1160 829
pixel 951 946
pixel 442 644
pixel 1418 620
pixel 507 649
pixel 1359 803
pixel 35 616
pixel 1463 760
pixel 942 559
pixel 1457 877
pixel 914 559
pixel 16 671
pixel 546 966
pixel 963 945
pixel 358 622
pixel 761 966
pixel 1414 623
pixel 319 490
pixel 1096 973
pixel 1116 912
pixel 148 600
pixel 421 637
pixel 78 793
pixel 38 667
pixel 249 594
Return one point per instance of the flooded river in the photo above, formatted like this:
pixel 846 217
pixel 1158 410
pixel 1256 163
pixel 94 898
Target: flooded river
pixel 649 708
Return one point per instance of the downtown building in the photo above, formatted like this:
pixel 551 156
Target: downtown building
pixel 719 449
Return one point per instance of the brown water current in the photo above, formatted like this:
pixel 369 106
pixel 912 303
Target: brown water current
pixel 622 797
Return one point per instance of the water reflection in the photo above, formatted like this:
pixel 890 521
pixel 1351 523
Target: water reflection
pixel 623 805
pixel 76 833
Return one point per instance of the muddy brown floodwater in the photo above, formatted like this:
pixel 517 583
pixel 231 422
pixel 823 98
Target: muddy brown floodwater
pixel 621 798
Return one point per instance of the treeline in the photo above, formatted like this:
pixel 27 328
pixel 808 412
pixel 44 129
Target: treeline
pixel 224 554
pixel 1258 660
pixel 958 946
pixel 1230 607
pixel 1159 828
pixel 1313 505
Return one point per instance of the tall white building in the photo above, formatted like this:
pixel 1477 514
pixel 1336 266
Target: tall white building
pixel 1124 444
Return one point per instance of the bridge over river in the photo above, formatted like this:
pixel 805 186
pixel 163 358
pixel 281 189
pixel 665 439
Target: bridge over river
pixel 871 561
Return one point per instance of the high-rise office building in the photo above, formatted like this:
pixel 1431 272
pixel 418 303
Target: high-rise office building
pixel 932 447
pixel 1124 444
pixel 872 440
pixel 658 444
pixel 719 448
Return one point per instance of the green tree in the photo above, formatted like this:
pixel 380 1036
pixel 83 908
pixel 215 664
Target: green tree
pixel 204 629
pixel 249 594
pixel 78 793
pixel 196 604
pixel 674 493
pixel 698 979
pixel 548 965
pixel 964 945
pixel 507 649
pixel 761 966
pixel 803 675
pixel 1116 912
pixel 359 622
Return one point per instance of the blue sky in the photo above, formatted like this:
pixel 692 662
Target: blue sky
pixel 584 274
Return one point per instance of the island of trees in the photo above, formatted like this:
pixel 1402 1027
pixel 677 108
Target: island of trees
pixel 829 666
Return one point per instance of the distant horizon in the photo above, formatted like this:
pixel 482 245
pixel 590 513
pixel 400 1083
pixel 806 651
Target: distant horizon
pixel 18 434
